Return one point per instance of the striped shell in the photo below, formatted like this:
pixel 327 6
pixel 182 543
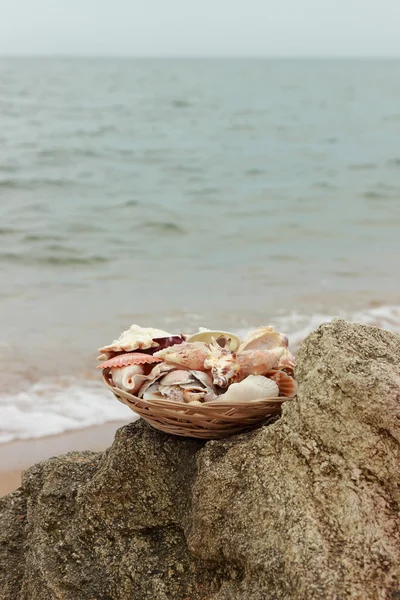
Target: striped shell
pixel 287 385
pixel 130 358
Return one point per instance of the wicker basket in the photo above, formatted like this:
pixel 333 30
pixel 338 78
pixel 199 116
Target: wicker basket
pixel 209 421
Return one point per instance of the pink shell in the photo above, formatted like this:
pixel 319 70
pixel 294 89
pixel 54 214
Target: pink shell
pixel 287 385
pixel 130 358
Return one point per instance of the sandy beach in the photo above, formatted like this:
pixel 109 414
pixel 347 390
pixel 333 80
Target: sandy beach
pixel 19 455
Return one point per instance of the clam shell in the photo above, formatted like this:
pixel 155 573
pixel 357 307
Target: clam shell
pixel 177 377
pixel 254 387
pixel 130 358
pixel 231 340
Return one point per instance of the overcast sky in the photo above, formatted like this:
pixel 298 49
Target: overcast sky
pixel 201 27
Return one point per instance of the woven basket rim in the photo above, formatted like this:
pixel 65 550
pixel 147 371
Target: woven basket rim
pixel 171 404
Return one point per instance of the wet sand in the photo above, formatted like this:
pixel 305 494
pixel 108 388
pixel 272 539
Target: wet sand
pixel 19 455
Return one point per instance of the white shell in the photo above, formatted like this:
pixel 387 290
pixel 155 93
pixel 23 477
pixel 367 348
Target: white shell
pixel 177 377
pixel 178 385
pixel 254 387
pixel 206 336
pixel 264 338
pixel 135 338
pixel 128 378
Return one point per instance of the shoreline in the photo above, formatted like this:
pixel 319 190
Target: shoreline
pixel 18 455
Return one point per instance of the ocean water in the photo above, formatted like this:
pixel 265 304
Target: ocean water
pixel 179 193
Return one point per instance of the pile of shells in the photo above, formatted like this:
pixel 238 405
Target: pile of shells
pixel 209 365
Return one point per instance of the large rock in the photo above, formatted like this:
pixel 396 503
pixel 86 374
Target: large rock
pixel 306 508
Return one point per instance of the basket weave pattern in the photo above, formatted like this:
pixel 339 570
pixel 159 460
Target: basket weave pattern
pixel 212 420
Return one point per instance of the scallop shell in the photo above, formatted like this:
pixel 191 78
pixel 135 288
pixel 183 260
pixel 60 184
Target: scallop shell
pixel 130 358
pixel 254 387
pixel 287 361
pixel 264 338
pixel 287 385
pixel 135 338
pixel 223 338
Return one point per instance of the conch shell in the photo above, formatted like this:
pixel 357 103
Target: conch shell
pixel 135 338
pixel 264 338
pixel 223 338
pixel 129 378
pixel 187 355
pixel 254 387
pixel 132 378
pixel 227 367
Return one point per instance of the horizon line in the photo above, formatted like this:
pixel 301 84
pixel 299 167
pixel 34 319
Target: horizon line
pixel 199 57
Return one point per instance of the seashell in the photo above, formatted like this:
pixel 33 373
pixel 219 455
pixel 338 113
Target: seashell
pixel 152 393
pixel 257 362
pixel 223 338
pixel 254 387
pixel 177 377
pixel 135 338
pixel 179 386
pixel 204 378
pixel 287 362
pixel 130 358
pixel 227 367
pixel 187 355
pixel 223 365
pixel 128 378
pixel 287 385
pixel 264 338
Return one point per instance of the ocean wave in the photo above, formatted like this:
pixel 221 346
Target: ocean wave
pixel 298 326
pixel 66 260
pixel 53 406
pixel 71 260
pixel 163 227
pixel 50 407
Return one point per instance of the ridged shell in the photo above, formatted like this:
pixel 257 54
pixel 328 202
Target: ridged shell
pixel 254 387
pixel 223 338
pixel 264 338
pixel 287 385
pixel 130 358
pixel 135 338
pixel 287 361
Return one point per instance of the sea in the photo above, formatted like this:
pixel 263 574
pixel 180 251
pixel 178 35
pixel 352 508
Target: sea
pixel 183 193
